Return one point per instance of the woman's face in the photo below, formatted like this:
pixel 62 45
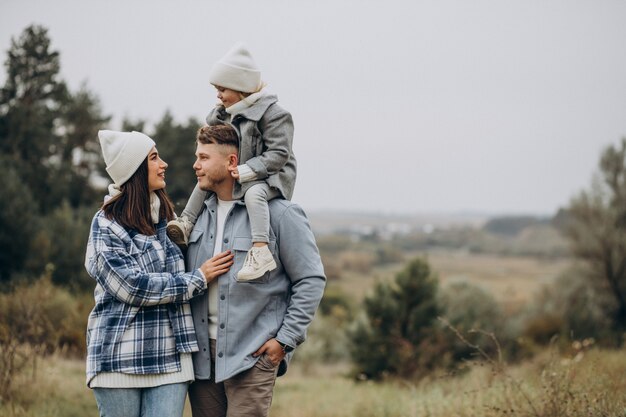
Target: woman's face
pixel 156 171
pixel 227 96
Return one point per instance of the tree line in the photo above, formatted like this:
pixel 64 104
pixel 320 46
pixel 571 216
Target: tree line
pixel 52 167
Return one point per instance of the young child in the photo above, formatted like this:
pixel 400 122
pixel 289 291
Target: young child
pixel 268 165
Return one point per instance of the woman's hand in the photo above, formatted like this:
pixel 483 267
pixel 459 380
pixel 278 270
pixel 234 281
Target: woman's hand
pixel 217 265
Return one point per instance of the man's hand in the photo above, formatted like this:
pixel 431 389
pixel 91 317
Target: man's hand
pixel 217 265
pixel 273 350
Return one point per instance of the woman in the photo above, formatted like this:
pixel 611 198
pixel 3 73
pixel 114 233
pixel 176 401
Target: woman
pixel 140 333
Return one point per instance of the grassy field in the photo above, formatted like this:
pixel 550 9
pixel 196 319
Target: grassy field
pixel 577 383
pixel 589 383
pixel 511 279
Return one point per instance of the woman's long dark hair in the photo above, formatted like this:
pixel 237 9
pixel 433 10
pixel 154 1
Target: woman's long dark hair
pixel 131 208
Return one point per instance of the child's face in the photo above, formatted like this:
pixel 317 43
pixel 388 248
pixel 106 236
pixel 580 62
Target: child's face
pixel 227 96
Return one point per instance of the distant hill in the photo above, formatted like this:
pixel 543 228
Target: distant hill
pixel 476 233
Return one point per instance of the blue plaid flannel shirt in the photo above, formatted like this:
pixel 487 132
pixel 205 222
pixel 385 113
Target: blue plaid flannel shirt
pixel 142 319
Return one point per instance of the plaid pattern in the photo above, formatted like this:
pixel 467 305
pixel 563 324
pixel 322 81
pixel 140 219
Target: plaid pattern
pixel 142 318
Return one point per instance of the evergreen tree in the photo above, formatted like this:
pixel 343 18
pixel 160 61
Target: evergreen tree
pixel 18 220
pixel 48 140
pixel 32 102
pixel 79 156
pixel 399 322
pixel 50 133
pixel 129 125
pixel 177 144
pixel 66 261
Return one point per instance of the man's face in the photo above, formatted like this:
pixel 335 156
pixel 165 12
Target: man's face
pixel 211 166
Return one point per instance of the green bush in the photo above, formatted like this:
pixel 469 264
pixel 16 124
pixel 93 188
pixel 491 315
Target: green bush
pixel 69 230
pixel 60 246
pixel 389 338
pixel 570 308
pixel 327 340
pixel 36 319
pixel 474 313
pixel 542 328
pixel 337 304
pixel 585 312
pixel 41 314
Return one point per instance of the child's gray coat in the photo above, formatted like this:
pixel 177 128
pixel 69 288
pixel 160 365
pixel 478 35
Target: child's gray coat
pixel 265 143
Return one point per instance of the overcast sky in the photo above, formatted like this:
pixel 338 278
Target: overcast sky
pixel 399 106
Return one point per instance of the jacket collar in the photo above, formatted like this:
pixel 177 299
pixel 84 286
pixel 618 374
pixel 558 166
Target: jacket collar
pixel 258 109
pixel 211 202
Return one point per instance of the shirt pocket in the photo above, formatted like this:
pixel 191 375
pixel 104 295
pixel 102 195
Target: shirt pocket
pixel 148 252
pixel 240 248
pixel 193 251
pixel 195 235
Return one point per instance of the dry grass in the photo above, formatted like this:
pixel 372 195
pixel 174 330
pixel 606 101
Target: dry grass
pixel 589 384
pixel 512 280
pixel 55 388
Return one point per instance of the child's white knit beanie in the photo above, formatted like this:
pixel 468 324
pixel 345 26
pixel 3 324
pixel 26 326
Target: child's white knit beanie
pixel 124 152
pixel 236 70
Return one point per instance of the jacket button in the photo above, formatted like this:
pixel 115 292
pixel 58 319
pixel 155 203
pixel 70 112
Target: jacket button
pixel 202 320
pixel 220 354
pixel 226 240
pixel 204 349
pixel 222 297
pixel 222 326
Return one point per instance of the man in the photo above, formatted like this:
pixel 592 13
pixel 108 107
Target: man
pixel 246 331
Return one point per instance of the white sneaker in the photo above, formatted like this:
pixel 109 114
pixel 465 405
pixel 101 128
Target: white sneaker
pixel 258 261
pixel 178 230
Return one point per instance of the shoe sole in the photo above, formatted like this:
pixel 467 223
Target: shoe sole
pixel 269 267
pixel 177 236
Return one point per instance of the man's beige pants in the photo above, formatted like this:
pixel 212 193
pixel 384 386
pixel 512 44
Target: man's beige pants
pixel 248 394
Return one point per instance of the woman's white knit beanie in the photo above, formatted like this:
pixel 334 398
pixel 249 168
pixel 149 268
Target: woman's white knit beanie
pixel 236 70
pixel 124 152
